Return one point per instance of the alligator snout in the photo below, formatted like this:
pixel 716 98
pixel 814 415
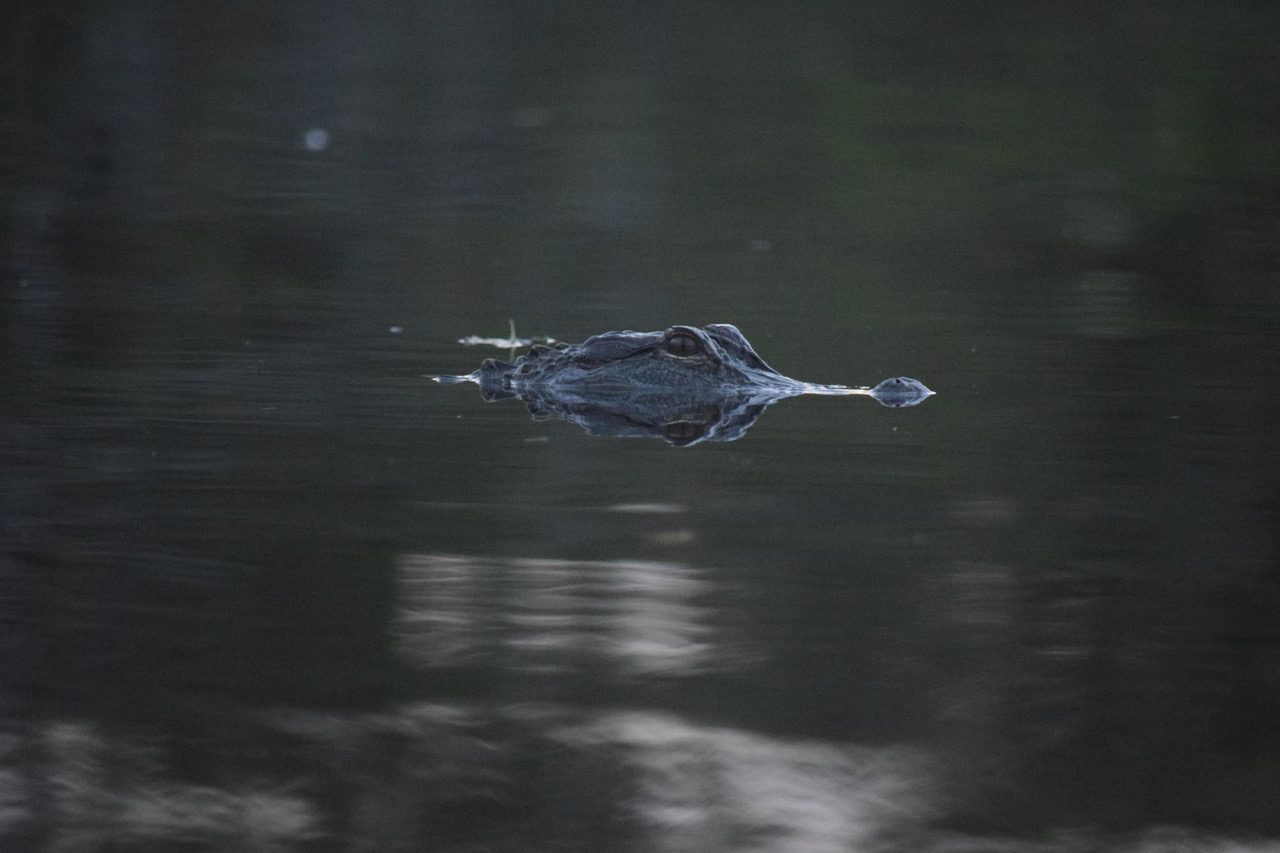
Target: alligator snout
pixel 900 391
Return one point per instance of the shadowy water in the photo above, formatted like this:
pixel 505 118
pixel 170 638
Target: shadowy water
pixel 263 586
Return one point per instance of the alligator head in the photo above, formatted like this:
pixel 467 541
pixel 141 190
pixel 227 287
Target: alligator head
pixel 685 384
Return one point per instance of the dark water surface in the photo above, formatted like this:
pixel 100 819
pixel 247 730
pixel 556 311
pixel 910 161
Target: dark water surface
pixel 265 587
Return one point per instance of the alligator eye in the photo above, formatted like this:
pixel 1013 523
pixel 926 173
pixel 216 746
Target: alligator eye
pixel 682 345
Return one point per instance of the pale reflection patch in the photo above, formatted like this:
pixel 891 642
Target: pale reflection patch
pixel 92 789
pixel 496 777
pixel 708 788
pixel 538 615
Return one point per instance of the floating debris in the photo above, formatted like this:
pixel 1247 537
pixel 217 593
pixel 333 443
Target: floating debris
pixel 509 342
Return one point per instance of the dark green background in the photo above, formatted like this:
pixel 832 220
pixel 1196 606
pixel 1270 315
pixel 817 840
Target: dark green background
pixel 262 584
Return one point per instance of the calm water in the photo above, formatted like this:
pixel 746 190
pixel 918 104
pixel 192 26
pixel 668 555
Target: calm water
pixel 263 586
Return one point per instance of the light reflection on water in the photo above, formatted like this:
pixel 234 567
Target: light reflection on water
pixel 626 618
pixel 671 784
pixel 533 775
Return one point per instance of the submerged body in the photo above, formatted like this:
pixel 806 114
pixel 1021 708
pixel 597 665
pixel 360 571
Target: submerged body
pixel 686 383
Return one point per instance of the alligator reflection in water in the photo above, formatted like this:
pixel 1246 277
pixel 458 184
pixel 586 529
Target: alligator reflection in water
pixel 685 384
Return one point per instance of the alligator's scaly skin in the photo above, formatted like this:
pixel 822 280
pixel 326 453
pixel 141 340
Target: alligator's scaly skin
pixel 685 384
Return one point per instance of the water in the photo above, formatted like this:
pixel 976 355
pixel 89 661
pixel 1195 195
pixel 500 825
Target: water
pixel 264 586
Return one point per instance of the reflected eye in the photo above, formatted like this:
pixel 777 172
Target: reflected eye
pixel 682 432
pixel 682 345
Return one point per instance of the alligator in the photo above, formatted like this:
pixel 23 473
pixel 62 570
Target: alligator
pixel 685 384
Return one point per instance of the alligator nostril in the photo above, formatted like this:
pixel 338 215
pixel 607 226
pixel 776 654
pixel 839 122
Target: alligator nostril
pixel 900 391
pixel 538 351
